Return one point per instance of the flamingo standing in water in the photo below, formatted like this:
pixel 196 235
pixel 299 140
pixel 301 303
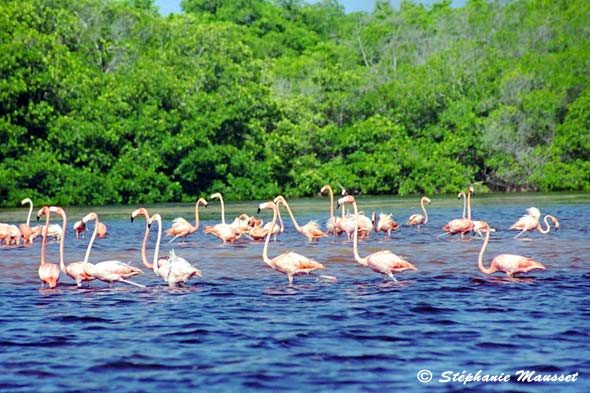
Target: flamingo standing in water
pixel 462 225
pixel 48 272
pixel 478 226
pixel 75 269
pixel 508 263
pixel 79 228
pixel 385 223
pixel 183 228
pixel 25 229
pixel 311 230
pixel 530 222
pixel 420 219
pixel 332 226
pixel 291 263
pixel 226 232
pixel 384 262
pixel 108 271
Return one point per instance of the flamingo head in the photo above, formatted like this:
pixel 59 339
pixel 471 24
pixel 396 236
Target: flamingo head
pixel 426 199
pixel 217 195
pixel 89 217
pixel 139 211
pixel 43 210
pixel 26 200
pixel 346 199
pixel 471 189
pixel 461 195
pixel 325 188
pixel 555 222
pixel 202 201
pixel 266 205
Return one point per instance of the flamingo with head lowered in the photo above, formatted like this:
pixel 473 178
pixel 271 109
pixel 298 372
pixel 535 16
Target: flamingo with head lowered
pixel 311 230
pixel 291 263
pixel 108 271
pixel 383 262
pixel 530 222
pixel 508 263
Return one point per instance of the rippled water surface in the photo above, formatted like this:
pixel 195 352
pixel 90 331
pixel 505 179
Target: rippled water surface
pixel 242 328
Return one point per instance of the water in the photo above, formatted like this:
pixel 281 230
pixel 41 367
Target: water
pixel 242 328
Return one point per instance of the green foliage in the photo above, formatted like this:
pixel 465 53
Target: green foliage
pixel 106 101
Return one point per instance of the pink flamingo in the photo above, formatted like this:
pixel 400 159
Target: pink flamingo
pixel 332 226
pixel 291 263
pixel 183 228
pixel 384 262
pixel 463 225
pixel 385 223
pixel 25 229
pixel 75 269
pixel 108 271
pixel 478 226
pixel 311 230
pixel 507 263
pixel 79 228
pixel 48 272
pixel 420 219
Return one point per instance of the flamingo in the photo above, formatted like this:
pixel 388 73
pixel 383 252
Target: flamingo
pixel 108 271
pixel 79 228
pixel 508 263
pixel 226 232
pixel 311 230
pixel 183 228
pixel 384 262
pixel 25 229
pixel 48 272
pixel 462 225
pixel 420 219
pixel 530 222
pixel 332 226
pixel 175 270
pixel 384 224
pixel 478 226
pixel 75 269
pixel 291 263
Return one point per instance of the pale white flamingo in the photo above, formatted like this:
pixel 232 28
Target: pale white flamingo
pixel 462 225
pixel 363 225
pixel 75 269
pixel 108 271
pixel 226 232
pixel 385 223
pixel 420 219
pixel 48 272
pixel 383 262
pixel 26 231
pixel 183 228
pixel 332 226
pixel 311 230
pixel 527 222
pixel 508 263
pixel 175 270
pixel 291 263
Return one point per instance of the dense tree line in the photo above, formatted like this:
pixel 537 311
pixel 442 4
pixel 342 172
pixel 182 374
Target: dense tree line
pixel 107 101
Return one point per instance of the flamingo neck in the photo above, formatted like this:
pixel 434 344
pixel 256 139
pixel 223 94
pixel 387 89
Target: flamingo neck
pixel 424 210
pixel 547 226
pixel 469 205
pixel 30 212
pixel 222 210
pixel 291 215
pixel 62 263
pixel 462 195
pixel 145 239
pixel 196 216
pixel 332 219
pixel 355 237
pixel 154 266
pixel 481 252
pixel 85 265
pixel 45 234
pixel 265 257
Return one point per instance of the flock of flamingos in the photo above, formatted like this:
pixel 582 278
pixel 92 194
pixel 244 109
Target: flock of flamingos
pixel 177 271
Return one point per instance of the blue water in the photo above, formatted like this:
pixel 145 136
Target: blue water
pixel 242 328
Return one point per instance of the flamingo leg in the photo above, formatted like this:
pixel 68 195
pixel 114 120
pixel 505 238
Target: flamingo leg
pixel 131 283
pixel 392 277
pixel 174 238
pixel 523 231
